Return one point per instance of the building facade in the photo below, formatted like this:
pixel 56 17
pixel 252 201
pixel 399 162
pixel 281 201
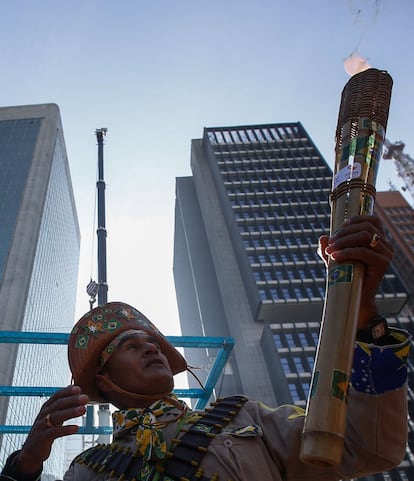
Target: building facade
pixel 398 217
pixel 39 255
pixel 247 225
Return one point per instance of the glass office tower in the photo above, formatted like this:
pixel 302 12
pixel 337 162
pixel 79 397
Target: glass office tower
pixel 247 224
pixel 39 254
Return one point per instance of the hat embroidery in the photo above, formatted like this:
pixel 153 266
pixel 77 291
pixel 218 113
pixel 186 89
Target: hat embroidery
pixel 110 348
pixel 125 313
pixel 111 326
pixel 94 327
pixel 82 342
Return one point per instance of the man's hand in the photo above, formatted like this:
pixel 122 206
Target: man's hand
pixel 65 404
pixel 352 243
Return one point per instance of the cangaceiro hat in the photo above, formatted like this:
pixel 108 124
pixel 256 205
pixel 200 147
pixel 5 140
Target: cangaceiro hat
pixel 93 334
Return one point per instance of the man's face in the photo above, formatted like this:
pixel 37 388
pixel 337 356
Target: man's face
pixel 138 366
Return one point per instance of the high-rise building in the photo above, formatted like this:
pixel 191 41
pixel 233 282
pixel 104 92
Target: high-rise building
pixel 39 255
pixel 398 217
pixel 247 224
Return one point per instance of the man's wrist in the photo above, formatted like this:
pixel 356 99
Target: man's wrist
pixel 13 469
pixel 377 332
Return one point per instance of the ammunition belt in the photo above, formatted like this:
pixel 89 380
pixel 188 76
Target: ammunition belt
pixel 182 462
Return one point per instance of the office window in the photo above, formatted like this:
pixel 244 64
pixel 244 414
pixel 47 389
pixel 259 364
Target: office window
pixel 278 341
pixel 262 294
pixel 294 392
pixel 274 293
pixel 311 362
pixel 257 276
pixel 315 337
pixel 310 292
pixel 286 293
pixel 279 275
pixel 284 257
pixel 290 274
pixel 285 365
pixel 290 339
pixel 268 275
pixel 298 292
pixel 15 165
pixel 303 339
pixel 295 256
pixel 298 364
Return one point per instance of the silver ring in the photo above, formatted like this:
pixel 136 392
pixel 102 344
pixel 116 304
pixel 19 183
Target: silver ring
pixel 49 422
pixel 374 240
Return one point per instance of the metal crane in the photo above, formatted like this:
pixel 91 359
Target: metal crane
pixel 404 164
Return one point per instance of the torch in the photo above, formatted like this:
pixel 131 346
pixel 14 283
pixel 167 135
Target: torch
pixel 360 135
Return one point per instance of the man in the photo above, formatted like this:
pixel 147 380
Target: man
pixel 116 355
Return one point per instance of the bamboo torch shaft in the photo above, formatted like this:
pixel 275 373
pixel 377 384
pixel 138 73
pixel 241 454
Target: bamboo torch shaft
pixel 360 135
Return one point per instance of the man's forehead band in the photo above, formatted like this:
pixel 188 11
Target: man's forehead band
pixel 111 347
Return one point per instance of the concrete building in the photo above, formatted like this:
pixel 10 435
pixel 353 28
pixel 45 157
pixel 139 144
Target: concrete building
pixel 39 254
pixel 247 225
pixel 398 217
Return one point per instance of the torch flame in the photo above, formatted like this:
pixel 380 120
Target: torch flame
pixel 355 63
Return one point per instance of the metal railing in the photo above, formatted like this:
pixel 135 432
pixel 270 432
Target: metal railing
pixel 223 344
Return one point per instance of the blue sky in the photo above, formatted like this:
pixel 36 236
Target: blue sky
pixel 155 72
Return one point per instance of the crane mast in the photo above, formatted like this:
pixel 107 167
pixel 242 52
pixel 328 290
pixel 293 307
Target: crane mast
pixel 101 287
pixel 101 231
pixel 404 164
